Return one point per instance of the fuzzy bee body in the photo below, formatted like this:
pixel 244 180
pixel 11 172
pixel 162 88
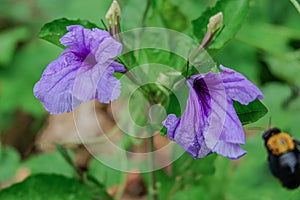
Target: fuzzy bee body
pixel 283 157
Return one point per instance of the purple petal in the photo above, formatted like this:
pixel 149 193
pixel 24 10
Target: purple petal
pixel 233 131
pixel 83 41
pixel 77 75
pixel 76 39
pixel 215 119
pixel 108 88
pixel 192 122
pixel 109 48
pixel 189 130
pixel 118 67
pixel 75 36
pixel 86 82
pixel 210 123
pixel 232 151
pixel 238 87
pixel 55 87
pixel 171 123
pixel 61 102
pixel 96 37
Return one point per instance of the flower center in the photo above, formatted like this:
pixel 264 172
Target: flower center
pixel 90 59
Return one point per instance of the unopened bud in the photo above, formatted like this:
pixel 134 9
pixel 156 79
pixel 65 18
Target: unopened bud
pixel 215 23
pixel 113 17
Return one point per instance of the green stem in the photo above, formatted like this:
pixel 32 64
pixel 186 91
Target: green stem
pixel 153 189
pixel 143 24
pixel 203 46
pixel 121 188
pixel 176 187
pixel 187 69
pixel 65 154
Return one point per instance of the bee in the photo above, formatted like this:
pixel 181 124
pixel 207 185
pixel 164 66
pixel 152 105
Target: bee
pixel 283 157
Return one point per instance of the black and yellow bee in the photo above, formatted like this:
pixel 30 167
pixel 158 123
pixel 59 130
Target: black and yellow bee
pixel 283 157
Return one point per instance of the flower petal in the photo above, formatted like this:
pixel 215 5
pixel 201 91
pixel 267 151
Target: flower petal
pixel 109 48
pixel 233 131
pixel 108 88
pixel 232 151
pixel 96 37
pixel 77 75
pixel 61 102
pixel 86 82
pixel 189 130
pixel 83 41
pixel 216 96
pixel 171 123
pixel 55 87
pixel 76 39
pixel 118 67
pixel 238 87
pixel 210 123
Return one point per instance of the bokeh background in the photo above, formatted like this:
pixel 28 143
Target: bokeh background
pixel 266 50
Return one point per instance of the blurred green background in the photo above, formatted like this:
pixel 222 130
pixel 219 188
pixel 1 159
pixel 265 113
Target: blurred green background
pixel 266 50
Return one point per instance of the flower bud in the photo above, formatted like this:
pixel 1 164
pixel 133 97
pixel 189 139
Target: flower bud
pixel 113 17
pixel 215 23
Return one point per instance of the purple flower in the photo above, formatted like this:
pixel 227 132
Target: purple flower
pixel 83 72
pixel 209 122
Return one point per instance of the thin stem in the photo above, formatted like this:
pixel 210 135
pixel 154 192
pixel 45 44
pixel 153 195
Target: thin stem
pixel 146 13
pixel 153 189
pixel 104 25
pixel 121 188
pixel 65 154
pixel 203 46
pixel 187 68
pixel 143 24
pixel 175 188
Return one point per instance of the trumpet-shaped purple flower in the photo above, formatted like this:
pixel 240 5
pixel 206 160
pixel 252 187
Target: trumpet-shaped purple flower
pixel 83 72
pixel 209 122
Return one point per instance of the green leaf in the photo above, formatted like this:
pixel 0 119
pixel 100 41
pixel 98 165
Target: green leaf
pixel 186 172
pixel 54 30
pixel 54 187
pixel 234 13
pixel 104 174
pixel 163 131
pixel 282 115
pixel 273 39
pixel 44 163
pixel 8 42
pixel 195 191
pixel 172 17
pixel 242 58
pixel 250 113
pixel 287 68
pixel 220 178
pixel 10 160
pixel 189 167
pixel 132 11
pixel 166 185
pixel 19 79
pixel 193 8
